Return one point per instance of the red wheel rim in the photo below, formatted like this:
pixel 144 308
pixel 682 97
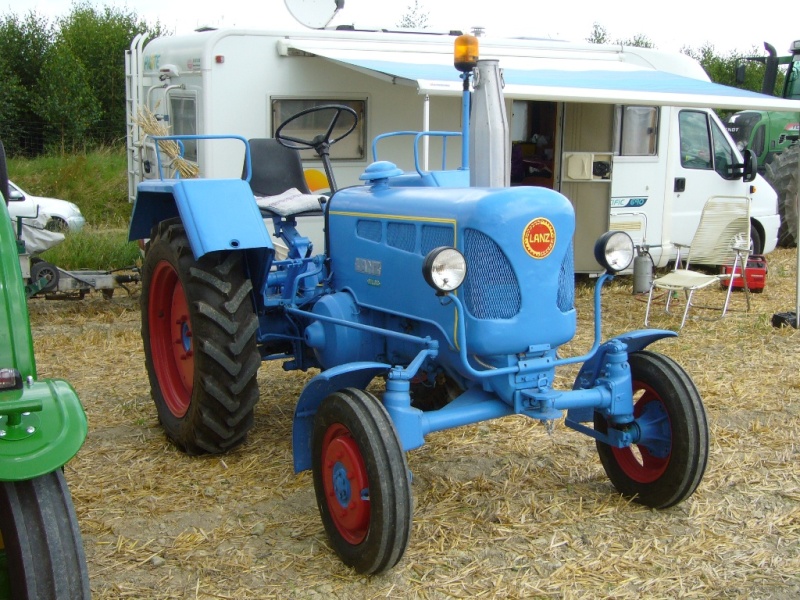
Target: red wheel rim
pixel 344 478
pixel 171 338
pixel 636 461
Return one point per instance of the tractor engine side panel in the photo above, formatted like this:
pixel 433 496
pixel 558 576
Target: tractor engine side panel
pixel 518 245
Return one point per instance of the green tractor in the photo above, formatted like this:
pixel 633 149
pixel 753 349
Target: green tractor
pixel 42 426
pixel 773 136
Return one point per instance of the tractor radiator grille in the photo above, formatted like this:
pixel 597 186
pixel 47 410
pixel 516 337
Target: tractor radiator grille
pixel 566 283
pixel 435 236
pixel 401 235
pixel 491 289
pixel 369 230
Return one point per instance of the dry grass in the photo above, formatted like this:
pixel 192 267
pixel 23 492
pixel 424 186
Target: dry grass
pixel 501 508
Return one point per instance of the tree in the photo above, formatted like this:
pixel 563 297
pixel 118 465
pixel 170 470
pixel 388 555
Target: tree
pixel 98 39
pixel 24 44
pixel 599 35
pixel 722 69
pixel 414 18
pixel 66 102
pixel 639 40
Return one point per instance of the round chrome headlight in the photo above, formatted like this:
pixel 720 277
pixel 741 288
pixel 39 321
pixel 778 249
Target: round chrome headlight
pixel 444 269
pixel 614 251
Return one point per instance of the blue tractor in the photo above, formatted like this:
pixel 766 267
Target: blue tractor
pixel 457 298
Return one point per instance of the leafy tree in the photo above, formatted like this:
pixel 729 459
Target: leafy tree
pixel 10 92
pixel 24 44
pixel 639 40
pixel 98 39
pixel 414 18
pixel 66 102
pixel 599 35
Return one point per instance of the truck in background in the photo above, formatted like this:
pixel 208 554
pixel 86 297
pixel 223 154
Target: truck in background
pixel 773 136
pixel 625 133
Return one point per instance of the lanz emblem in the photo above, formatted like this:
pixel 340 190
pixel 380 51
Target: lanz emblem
pixel 539 238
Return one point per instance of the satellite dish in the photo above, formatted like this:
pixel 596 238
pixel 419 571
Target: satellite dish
pixel 314 14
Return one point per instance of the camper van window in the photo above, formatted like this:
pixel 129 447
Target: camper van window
pixel 695 140
pixel 724 156
pixel 350 148
pixel 636 130
pixel 183 119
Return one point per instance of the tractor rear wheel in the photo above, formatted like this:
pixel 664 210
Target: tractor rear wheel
pixel 667 463
pixel 782 175
pixel 42 556
pixel 198 328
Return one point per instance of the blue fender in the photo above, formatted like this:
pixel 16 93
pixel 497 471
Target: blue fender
pixel 590 371
pixel 218 214
pixel 355 375
pixel 634 340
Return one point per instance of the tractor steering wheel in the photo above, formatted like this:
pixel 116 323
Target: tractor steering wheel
pixel 321 142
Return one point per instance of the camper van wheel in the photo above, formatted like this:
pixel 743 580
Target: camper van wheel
pixel 361 481
pixel 756 244
pixel 41 541
pixel 198 328
pixel 668 462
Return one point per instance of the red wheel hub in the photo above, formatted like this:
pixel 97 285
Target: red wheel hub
pixel 637 461
pixel 344 478
pixel 171 338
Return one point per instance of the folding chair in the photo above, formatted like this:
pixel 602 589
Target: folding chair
pixel 722 238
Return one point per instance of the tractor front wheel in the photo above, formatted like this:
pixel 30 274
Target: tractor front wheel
pixel 361 481
pixel 198 328
pixel 42 556
pixel 667 463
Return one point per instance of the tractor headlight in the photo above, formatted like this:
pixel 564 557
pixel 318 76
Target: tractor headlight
pixel 444 269
pixel 614 251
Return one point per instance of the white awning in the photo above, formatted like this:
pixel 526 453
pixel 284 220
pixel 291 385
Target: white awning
pixel 570 79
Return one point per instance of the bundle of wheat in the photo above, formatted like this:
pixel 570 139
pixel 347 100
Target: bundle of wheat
pixel 152 126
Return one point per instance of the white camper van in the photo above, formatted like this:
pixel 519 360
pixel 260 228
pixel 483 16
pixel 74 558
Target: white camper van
pixel 625 133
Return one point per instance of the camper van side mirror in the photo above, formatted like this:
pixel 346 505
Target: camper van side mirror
pixel 750 169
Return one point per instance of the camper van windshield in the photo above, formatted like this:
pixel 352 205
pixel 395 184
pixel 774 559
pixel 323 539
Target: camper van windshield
pixel 350 148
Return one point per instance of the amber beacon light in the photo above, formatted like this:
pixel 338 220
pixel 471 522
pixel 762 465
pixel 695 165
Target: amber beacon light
pixel 465 53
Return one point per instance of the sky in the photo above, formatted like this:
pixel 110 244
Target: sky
pixel 728 26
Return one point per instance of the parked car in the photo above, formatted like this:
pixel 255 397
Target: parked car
pixel 64 216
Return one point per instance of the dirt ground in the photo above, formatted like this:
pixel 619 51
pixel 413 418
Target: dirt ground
pixel 502 508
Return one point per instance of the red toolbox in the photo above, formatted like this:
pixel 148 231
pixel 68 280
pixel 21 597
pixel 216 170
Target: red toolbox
pixel 756 273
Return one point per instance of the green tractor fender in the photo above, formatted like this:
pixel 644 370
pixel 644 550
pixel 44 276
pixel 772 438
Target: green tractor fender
pixel 42 423
pixel 42 426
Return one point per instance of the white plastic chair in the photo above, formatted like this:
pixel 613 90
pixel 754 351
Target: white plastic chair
pixel 722 238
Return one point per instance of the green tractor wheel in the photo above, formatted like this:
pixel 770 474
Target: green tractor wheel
pixel 782 175
pixel 42 556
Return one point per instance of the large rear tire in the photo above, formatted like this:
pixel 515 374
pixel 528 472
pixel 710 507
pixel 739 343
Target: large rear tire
pixel 198 328
pixel 666 465
pixel 44 554
pixel 782 175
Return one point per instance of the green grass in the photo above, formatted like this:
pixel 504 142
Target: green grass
pixel 97 182
pixel 97 249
